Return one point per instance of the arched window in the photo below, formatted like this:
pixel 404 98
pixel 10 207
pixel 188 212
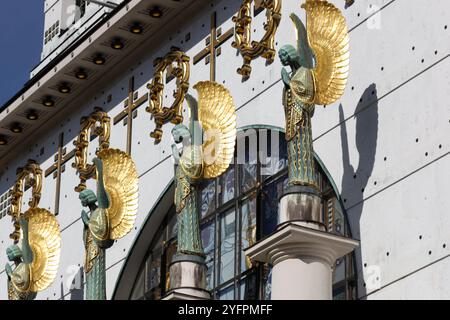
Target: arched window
pixel 237 209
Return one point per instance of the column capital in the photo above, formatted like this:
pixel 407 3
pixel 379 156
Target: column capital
pixel 292 241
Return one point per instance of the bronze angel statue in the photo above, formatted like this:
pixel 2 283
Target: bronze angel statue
pixel 112 212
pixel 319 70
pixel 208 150
pixel 36 255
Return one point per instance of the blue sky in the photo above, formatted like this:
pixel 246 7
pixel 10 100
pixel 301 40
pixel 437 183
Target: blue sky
pixel 21 28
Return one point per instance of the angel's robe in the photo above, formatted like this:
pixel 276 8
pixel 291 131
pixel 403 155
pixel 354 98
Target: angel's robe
pixel 189 239
pixel 96 240
pixel 18 285
pixel 298 102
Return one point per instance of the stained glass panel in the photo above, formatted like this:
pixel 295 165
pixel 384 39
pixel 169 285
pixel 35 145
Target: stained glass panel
pixel 208 233
pixel 155 274
pixel 227 246
pixel 210 270
pixel 247 176
pixel 248 288
pixel 269 197
pixel 172 227
pixel 227 293
pixel 247 162
pixel 227 186
pixel 339 270
pixel 248 229
pixel 339 293
pixel 272 153
pixel 208 198
pixel 268 284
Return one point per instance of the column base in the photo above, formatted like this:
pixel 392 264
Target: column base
pixel 188 278
pixel 302 260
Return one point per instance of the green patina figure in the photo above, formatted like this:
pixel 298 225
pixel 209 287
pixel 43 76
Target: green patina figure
pixel 208 150
pixel 188 173
pixel 96 236
pixel 298 102
pixel 320 67
pixel 19 279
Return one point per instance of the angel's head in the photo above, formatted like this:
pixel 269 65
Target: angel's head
pixel 87 198
pixel 288 55
pixel 181 133
pixel 13 252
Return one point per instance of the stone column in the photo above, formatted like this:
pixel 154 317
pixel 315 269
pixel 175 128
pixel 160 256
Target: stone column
pixel 188 278
pixel 300 251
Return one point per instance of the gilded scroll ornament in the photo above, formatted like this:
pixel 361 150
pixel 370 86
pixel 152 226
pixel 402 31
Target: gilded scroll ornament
pixel 97 123
pixel 208 150
pixel 251 50
pixel 319 74
pixel 176 64
pixel 36 249
pixel 111 216
pixel 28 176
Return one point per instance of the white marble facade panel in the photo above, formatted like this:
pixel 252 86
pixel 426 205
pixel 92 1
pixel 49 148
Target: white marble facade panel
pixel 402 231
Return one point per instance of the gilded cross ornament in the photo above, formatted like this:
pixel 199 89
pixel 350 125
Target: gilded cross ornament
pixel 251 50
pixel 58 167
pixel 176 63
pixel 35 252
pixel 213 43
pixel 319 71
pixel 129 113
pixel 97 123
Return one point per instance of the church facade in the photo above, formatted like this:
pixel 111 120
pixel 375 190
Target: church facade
pixel 381 151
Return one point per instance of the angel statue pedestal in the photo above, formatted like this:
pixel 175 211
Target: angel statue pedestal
pixel 188 278
pixel 301 245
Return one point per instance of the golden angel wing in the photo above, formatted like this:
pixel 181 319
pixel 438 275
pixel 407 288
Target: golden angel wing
pixel 122 185
pixel 329 39
pixel 217 116
pixel 45 242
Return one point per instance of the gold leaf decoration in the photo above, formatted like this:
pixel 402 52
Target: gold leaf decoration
pixel 217 115
pixel 329 39
pixel 122 185
pixel 45 242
